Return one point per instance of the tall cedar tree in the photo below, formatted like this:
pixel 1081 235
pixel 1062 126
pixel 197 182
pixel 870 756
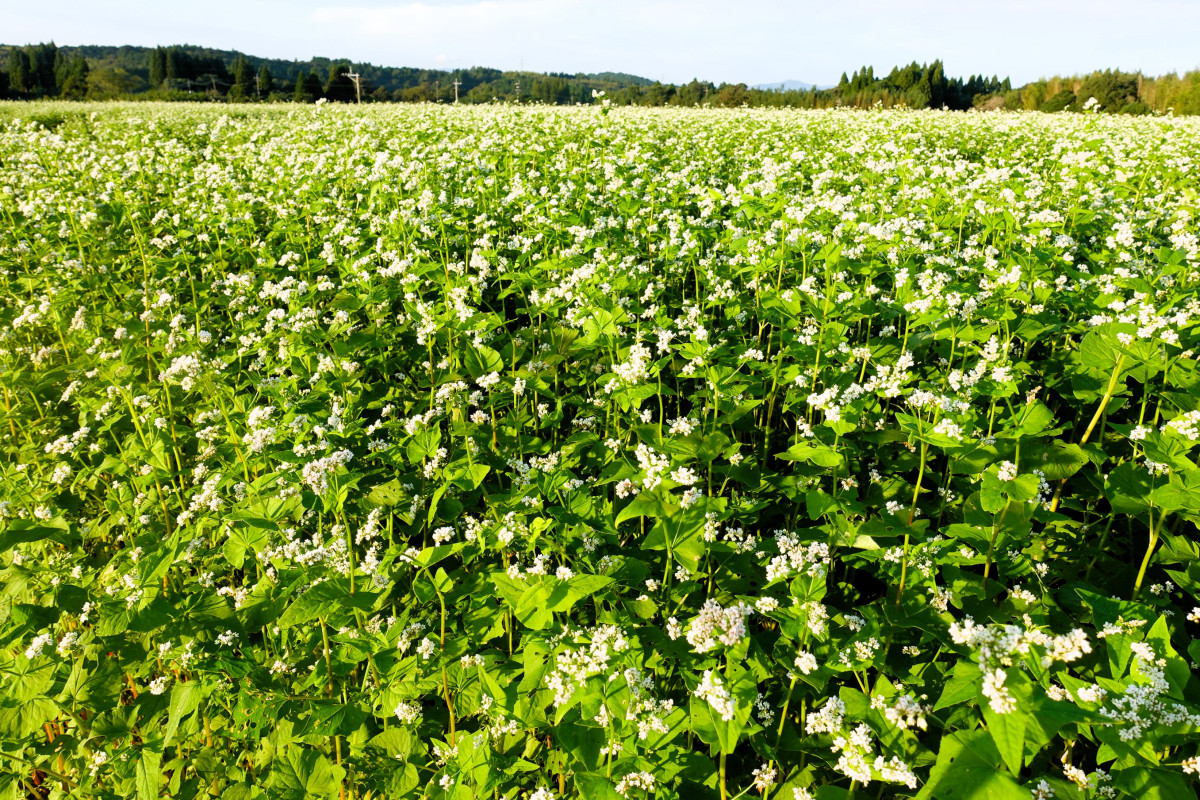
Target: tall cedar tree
pixel 72 82
pixel 312 85
pixel 243 80
pixel 339 88
pixel 266 81
pixel 18 70
pixel 300 94
pixel 158 67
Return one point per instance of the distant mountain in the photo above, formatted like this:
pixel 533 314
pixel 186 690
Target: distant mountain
pixel 789 86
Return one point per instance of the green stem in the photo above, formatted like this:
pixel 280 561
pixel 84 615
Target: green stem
pixel 992 547
pixel 912 511
pixel 1108 393
pixel 1154 529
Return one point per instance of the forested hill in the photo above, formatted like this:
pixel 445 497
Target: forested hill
pixel 169 72
pixel 187 72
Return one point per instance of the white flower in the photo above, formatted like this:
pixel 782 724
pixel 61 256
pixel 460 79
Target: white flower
pixel 67 642
pixel 948 428
pixel 713 691
pixel 426 648
pixel 764 777
pixel 1043 791
pixel 999 698
pixel 715 625
pixel 99 759
pixel 684 476
pixel 636 780
pixel 39 643
pixel 765 605
pixel 408 712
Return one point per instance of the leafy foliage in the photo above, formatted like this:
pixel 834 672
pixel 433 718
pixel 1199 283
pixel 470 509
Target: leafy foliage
pixel 597 452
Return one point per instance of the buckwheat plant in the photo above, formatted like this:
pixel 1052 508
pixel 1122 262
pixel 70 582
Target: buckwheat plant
pixel 525 452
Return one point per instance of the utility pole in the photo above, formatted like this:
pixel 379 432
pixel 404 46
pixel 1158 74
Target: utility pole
pixel 457 83
pixel 354 76
pixel 518 91
pixel 257 88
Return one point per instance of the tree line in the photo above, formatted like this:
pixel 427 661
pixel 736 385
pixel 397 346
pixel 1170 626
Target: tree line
pixel 185 72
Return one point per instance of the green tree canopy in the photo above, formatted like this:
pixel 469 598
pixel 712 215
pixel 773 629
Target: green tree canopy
pixel 301 94
pixel 266 81
pixel 338 87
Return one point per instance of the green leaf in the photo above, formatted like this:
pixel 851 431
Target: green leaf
pixel 680 533
pixel 1035 419
pixel 582 742
pixel 301 773
pixel 241 539
pixel 326 599
pixel 509 589
pixel 26 679
pixel 386 494
pixel 149 774
pixel 336 719
pixel 1057 460
pixel 423 444
pixel 815 453
pixel 23 531
pixel 964 685
pixel 992 495
pixel 1148 783
pixel 482 360
pixel 533 608
pixel 396 742
pixel 19 721
pixel 722 733
pixel 1008 733
pixel 185 698
pixel 645 504
pixel 967 768
pixel 1128 488
pixel 595 787
pixel 1177 668
pixel 1099 352
pixel 568 593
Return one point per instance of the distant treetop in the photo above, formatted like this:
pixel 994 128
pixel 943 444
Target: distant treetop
pixel 189 72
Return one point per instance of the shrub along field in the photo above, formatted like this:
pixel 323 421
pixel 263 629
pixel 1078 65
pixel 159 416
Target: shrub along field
pixel 521 452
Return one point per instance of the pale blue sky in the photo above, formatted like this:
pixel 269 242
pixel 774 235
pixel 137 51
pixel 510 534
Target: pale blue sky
pixel 756 41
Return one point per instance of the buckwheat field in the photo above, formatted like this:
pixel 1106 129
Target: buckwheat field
pixel 534 453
